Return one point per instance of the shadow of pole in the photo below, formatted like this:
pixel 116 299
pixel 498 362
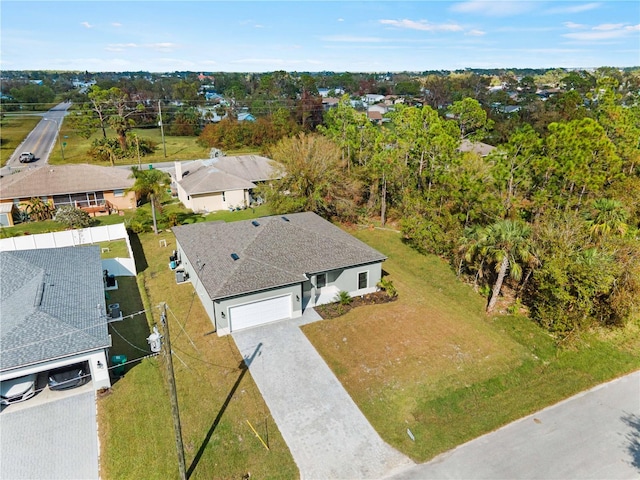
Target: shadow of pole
pixel 243 367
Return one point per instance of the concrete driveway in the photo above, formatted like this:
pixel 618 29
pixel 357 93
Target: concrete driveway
pixel 54 439
pixel 327 434
pixel 593 435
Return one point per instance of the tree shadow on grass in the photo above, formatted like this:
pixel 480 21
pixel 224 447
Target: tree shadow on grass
pixel 633 438
pixel 243 367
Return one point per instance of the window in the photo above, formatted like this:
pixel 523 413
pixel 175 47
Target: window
pixel 363 280
pixel 321 280
pixel 118 193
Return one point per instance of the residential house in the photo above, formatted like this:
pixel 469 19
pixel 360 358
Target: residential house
pixel 97 190
pixel 53 312
pixel 249 273
pixel 222 183
pixel 479 148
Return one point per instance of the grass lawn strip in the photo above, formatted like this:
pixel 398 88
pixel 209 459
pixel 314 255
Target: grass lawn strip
pixel 13 130
pixel 216 397
pixel 433 362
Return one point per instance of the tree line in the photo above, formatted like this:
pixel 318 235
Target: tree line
pixel 547 221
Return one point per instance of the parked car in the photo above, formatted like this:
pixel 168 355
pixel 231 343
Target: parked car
pixel 70 376
pixel 17 389
pixel 27 157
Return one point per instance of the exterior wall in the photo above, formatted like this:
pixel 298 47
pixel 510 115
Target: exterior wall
pixel 99 374
pixel 345 280
pixel 190 269
pixel 125 202
pixel 222 306
pixel 213 202
pixel 183 197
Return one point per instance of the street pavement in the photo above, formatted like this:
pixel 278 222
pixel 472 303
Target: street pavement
pixel 593 435
pixel 327 434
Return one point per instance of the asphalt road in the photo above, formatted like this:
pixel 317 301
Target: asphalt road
pixel 593 435
pixel 40 140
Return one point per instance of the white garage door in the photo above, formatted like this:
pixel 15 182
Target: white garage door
pixel 262 311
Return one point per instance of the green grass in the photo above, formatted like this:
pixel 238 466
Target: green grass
pixel 113 249
pixel 13 130
pixel 216 396
pixel 178 148
pixel 433 362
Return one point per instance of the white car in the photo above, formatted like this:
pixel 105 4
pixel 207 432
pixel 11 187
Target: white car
pixel 27 157
pixel 17 389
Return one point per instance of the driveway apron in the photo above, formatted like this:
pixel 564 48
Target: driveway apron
pixel 53 440
pixel 327 434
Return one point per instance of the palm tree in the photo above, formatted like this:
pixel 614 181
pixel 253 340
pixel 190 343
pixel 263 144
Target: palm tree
pixel 149 183
pixel 608 216
pixel 507 246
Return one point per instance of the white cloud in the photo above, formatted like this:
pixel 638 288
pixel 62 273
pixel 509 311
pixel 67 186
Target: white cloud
pixel 583 7
pixel 574 25
pixel 609 26
pixel 120 47
pixel 476 33
pixel 423 25
pixel 86 25
pixel 162 46
pixel 116 24
pixel 341 20
pixel 351 39
pixel 493 8
pixel 605 31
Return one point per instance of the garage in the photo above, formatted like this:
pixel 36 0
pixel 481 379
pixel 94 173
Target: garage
pixel 260 312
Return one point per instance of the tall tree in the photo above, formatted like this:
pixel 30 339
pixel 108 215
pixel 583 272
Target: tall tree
pixel 507 246
pixel 150 184
pixel 311 177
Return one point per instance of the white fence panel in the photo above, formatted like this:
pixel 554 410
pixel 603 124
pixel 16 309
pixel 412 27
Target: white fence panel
pixel 123 267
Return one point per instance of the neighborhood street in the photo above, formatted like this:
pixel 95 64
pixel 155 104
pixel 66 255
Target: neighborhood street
pixel 40 140
pixel 592 435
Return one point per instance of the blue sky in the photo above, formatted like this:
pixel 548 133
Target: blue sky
pixel 355 36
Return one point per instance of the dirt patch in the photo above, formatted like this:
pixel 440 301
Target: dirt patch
pixel 337 309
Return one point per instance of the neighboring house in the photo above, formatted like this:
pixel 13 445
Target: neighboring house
pixel 375 116
pixel 330 102
pixel 246 117
pixel 223 183
pixel 53 312
pixel 380 107
pixel 249 273
pixel 97 190
pixel 479 148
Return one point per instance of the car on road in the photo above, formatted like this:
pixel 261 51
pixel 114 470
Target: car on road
pixel 27 157
pixel 70 376
pixel 17 389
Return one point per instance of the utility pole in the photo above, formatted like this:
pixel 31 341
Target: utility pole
pixel 175 413
pixel 164 145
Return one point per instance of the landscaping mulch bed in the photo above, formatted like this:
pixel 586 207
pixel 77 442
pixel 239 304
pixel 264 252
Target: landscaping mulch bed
pixel 333 310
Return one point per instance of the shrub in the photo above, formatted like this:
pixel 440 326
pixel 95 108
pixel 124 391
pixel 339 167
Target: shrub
pixel 387 285
pixel 72 217
pixel 343 298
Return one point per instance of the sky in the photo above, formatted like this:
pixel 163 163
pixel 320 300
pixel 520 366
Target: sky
pixel 312 36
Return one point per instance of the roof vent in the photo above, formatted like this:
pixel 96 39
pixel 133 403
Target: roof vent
pixel 255 223
pixel 285 219
pixel 39 294
pixel 235 256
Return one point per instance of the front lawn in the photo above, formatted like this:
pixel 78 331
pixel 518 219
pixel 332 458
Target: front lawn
pixel 434 363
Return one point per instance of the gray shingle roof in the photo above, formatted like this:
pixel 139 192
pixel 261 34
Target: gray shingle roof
pixel 275 253
pixel 64 179
pixel 224 173
pixel 52 304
